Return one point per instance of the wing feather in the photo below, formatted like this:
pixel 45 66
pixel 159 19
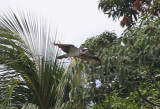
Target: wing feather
pixel 91 58
pixel 66 47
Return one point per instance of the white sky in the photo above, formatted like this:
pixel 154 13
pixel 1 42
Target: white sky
pixel 76 20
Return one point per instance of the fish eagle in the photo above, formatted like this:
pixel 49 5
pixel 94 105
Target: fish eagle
pixel 72 51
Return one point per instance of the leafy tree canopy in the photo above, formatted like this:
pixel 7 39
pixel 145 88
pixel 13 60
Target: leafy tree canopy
pixel 129 77
pixel 130 10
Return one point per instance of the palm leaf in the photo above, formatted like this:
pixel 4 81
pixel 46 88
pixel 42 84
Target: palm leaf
pixel 29 106
pixel 71 87
pixel 30 70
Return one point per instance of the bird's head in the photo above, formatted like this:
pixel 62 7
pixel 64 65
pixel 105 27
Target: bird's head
pixel 84 50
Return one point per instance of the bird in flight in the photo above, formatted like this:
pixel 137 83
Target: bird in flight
pixel 72 51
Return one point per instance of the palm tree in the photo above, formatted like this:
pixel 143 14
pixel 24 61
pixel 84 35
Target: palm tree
pixel 30 74
pixel 29 70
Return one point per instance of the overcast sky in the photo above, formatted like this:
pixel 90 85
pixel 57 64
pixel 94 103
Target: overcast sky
pixel 76 20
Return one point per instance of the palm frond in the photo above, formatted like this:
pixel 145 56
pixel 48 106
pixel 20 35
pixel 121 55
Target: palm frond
pixel 31 29
pixel 30 70
pixel 71 86
pixel 29 106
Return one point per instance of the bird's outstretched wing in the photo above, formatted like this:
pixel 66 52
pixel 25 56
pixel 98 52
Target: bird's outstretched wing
pixel 66 47
pixel 91 58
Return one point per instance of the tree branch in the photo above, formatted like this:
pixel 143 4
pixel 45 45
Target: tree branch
pixel 145 99
pixel 152 78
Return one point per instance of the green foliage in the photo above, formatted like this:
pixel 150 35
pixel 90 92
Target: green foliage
pixel 141 52
pixel 29 106
pixel 129 77
pixel 71 87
